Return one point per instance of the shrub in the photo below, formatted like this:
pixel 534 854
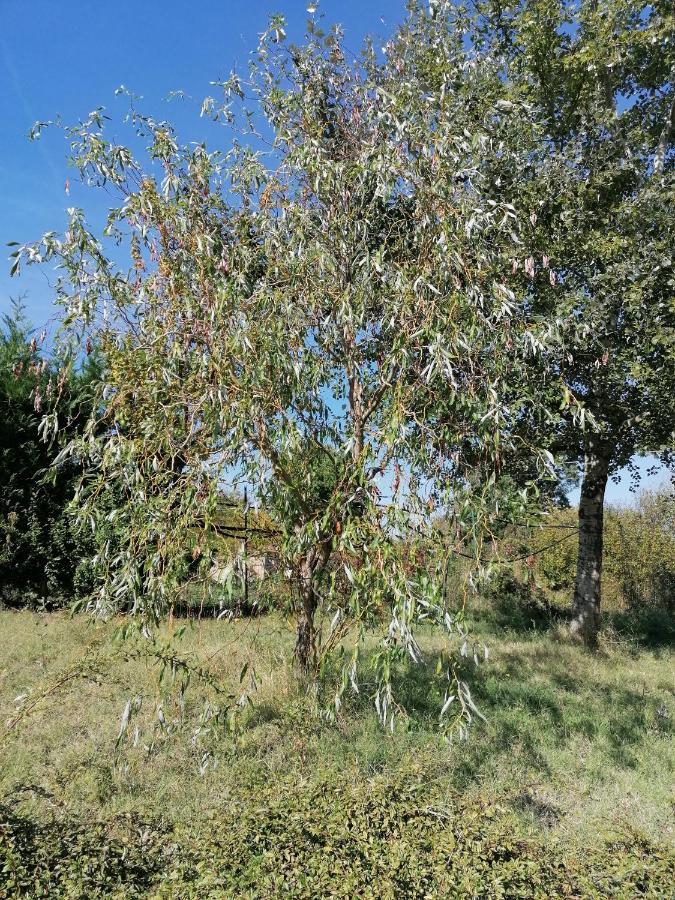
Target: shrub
pixel 42 553
pixel 639 557
pixel 381 839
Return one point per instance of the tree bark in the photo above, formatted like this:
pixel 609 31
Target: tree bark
pixel 586 604
pixel 305 643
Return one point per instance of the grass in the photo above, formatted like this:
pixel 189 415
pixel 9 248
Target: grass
pixel 576 745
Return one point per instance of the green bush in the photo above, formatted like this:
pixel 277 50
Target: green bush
pixel 42 553
pixel 641 550
pixel 639 553
pixel 381 839
pixel 512 602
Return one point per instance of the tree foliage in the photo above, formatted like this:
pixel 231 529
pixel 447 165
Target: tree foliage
pixel 599 182
pixel 326 312
pixel 43 557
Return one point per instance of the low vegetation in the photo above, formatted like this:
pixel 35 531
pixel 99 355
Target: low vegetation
pixel 575 753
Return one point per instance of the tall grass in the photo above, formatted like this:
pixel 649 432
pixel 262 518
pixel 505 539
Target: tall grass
pixel 574 743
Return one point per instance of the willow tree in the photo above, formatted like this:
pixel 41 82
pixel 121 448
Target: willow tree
pixel 287 303
pixel 600 185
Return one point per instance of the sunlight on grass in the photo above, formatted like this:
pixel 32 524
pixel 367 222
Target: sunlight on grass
pixel 574 744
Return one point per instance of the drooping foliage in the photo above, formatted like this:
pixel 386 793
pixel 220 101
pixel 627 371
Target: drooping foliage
pixel 325 311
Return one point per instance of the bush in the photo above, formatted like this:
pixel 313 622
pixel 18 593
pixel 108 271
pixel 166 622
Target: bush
pixel 639 553
pixel 381 839
pixel 42 553
pixel 521 605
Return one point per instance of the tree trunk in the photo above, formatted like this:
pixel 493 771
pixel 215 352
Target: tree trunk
pixel 305 642
pixel 586 604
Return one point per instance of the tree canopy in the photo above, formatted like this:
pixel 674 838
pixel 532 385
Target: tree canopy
pixel 599 183
pixel 327 311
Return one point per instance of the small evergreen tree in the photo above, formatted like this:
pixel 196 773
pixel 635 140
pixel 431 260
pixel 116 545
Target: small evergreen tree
pixel 42 554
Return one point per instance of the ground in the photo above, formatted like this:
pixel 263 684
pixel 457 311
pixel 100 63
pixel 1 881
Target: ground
pixel 576 753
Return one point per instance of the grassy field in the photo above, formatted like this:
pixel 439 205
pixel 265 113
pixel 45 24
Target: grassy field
pixel 567 790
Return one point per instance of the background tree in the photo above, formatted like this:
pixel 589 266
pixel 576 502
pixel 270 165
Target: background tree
pixel 600 189
pixel 291 306
pixel 43 555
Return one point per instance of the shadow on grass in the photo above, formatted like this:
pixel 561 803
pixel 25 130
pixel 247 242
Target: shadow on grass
pixel 93 858
pixel 651 628
pixel 538 699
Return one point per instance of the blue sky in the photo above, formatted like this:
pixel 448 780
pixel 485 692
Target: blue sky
pixel 67 58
